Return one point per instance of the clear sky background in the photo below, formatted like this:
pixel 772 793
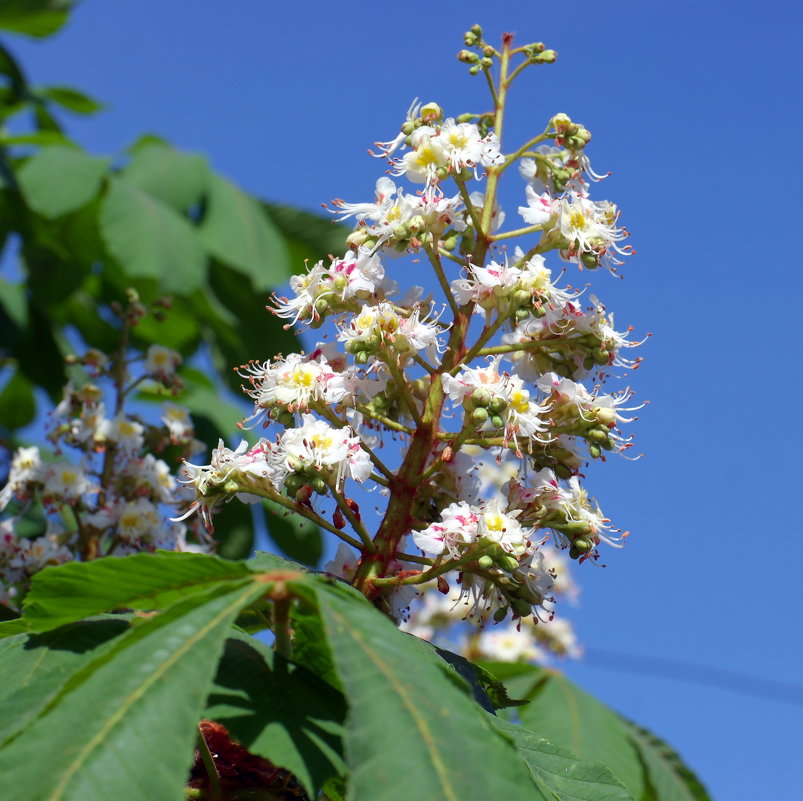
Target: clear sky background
pixel 696 108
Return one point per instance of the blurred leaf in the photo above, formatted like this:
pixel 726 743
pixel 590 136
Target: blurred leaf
pixel 12 70
pixel 177 179
pixel 558 773
pixel 234 530
pixel 296 537
pixel 13 312
pixel 36 18
pixel 59 179
pixel 71 99
pixel 38 138
pixel 441 742
pixel 179 330
pixel 38 354
pixel 17 402
pixel 569 717
pixel 279 710
pixel 149 239
pixel 125 724
pixel 236 230
pixel 310 237
pixel 669 778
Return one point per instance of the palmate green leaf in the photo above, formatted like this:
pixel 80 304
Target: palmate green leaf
pixel 124 726
pixel 236 231
pixel 150 239
pixel 410 732
pixel 59 179
pixel 146 581
pixel 558 773
pixel 669 779
pixel 177 179
pixel 572 719
pixel 34 668
pixel 36 18
pixel 279 710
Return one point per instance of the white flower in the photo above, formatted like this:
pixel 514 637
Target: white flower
pixel 139 520
pixel 457 528
pixel 296 382
pixel 315 445
pixel 539 208
pixel 66 482
pixel 177 421
pixel 495 525
pixel 127 434
pixel 161 362
pixel 509 643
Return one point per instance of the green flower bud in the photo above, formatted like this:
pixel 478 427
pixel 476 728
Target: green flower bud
pixel 574 553
pixel 319 485
pixel 450 243
pixel 521 314
pixel 497 421
pixel 547 57
pixel 522 296
pixel 601 357
pixel 474 69
pixel 477 31
pixel 230 487
pixel 467 57
pixel 590 260
pixel 361 357
pixel 597 435
pixel 574 528
pixel 408 127
pixel 485 562
pixel 497 405
pixel 595 451
pixel 526 594
pixel 481 396
pixel 522 608
pixel 588 362
pixel 293 483
pixel 583 544
pixel 465 117
pixel 486 63
pixel 470 40
pixel 500 614
pixel 508 563
pixel 294 464
pixel 321 306
pixel 479 416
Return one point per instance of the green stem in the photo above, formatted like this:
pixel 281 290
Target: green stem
pixel 401 385
pixel 281 627
pixel 209 764
pixel 486 334
pixel 435 261
pixel 529 229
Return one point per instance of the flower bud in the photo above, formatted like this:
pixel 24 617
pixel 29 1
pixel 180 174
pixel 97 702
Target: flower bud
pixel 508 563
pixel 361 357
pixel 522 608
pixel 595 451
pixel 597 435
pixel 304 493
pixel 485 562
pixel 474 69
pixel 476 30
pixel 479 416
pixel 500 614
pixel 319 485
pixel 321 306
pixel 583 544
pixel 467 57
pixel 497 405
pixel 497 421
pixel 431 112
pixel 590 260
pixel 481 396
pixel 521 296
pixel 547 57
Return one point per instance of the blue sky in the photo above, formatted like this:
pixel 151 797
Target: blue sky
pixel 695 108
